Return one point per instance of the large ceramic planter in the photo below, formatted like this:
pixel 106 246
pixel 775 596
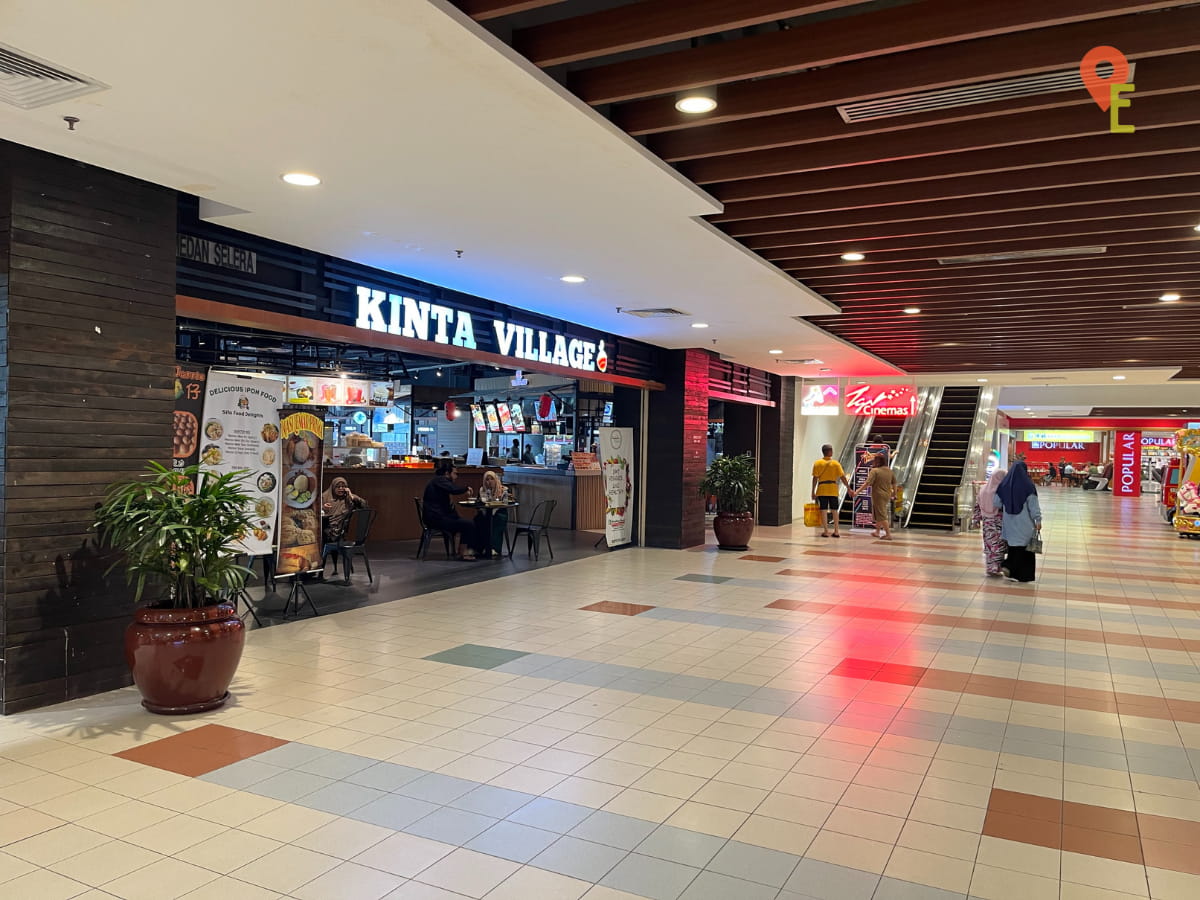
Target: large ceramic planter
pixel 733 530
pixel 183 660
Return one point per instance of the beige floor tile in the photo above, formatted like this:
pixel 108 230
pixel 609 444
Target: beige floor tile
pixel 528 883
pixel 236 809
pixel 1017 857
pixel 343 838
pixel 1109 874
pixel 775 834
pixel 527 780
pixel 42 884
pixel 288 822
pixel 349 880
pixel 55 845
pixel 20 824
pixel 286 869
pixel 162 880
pixel 714 820
pixel 405 855
pixel 988 883
pixel 853 852
pixel 584 792
pixel 920 867
pixel 1167 885
pixel 174 835
pixel 468 872
pixel 234 850
pixel 643 805
pixel 938 839
pixel 187 796
pixel 102 864
pixel 730 796
pixel 12 867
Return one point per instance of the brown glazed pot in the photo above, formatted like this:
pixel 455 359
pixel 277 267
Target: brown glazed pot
pixel 733 530
pixel 183 660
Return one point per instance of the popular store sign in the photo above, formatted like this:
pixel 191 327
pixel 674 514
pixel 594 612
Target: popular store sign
pixel 438 324
pixel 1128 476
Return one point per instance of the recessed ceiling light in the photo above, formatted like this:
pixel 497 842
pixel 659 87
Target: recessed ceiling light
pixel 1169 297
pixel 774 352
pixel 827 369
pixel 1196 228
pixel 301 179
pixel 854 257
pixel 911 310
pixel 699 324
pixel 981 380
pixel 1118 378
pixel 573 279
pixel 1028 408
pixel 698 100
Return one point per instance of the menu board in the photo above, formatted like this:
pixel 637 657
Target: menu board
pixel 616 450
pixel 240 433
pixel 518 417
pixel 189 407
pixel 302 453
pixel 493 417
pixel 506 424
pixel 581 460
pixel 477 417
pixel 303 390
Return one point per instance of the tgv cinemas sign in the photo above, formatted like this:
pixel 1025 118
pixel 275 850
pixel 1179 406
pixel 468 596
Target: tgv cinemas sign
pixel 425 321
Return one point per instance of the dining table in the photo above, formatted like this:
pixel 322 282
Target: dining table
pixel 488 509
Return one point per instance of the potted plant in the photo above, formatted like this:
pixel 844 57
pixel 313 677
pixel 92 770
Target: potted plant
pixel 733 481
pixel 174 538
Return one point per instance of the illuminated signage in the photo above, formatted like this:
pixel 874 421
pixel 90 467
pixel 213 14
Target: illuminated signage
pixel 1157 440
pixel 819 400
pixel 1086 437
pixel 1128 480
pixel 439 324
pixel 1057 445
pixel 881 400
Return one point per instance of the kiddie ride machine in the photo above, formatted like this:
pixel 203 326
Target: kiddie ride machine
pixel 1187 502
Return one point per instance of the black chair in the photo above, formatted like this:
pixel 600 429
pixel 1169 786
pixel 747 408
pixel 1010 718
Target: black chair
pixel 428 532
pixel 537 528
pixel 360 527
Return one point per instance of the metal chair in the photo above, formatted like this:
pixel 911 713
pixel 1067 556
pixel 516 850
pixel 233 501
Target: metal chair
pixel 364 518
pixel 537 528
pixel 428 532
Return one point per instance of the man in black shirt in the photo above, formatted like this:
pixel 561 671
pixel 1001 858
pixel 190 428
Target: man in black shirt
pixel 440 511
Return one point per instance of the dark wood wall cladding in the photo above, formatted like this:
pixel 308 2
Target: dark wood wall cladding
pixel 677 448
pixel 88 335
pixel 777 463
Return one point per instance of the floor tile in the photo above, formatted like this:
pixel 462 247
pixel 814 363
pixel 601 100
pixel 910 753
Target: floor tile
pixel 393 811
pixel 349 880
pixel 508 840
pixel 714 886
pixel 551 815
pixel 467 872
pixel 528 882
pixel 648 876
pixel 162 880
pixel 451 826
pixel 286 869
pixel 579 859
pixel 405 855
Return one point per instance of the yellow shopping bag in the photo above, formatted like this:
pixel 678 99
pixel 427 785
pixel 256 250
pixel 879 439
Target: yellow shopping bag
pixel 812 515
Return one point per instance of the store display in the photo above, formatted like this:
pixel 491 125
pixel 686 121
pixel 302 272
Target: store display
pixel 477 417
pixel 493 417
pixel 506 424
pixel 518 416
pixel 189 406
pixel 300 526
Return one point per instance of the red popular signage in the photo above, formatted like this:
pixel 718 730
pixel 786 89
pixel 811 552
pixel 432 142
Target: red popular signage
pixel 1127 481
pixel 881 400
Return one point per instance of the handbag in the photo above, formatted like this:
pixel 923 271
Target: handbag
pixel 812 515
pixel 1035 542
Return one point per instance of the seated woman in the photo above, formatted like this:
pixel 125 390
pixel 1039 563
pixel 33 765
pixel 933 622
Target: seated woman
pixel 338 505
pixel 493 489
pixel 441 514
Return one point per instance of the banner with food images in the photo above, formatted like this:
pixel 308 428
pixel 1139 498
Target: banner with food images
pixel 300 515
pixel 616 451
pixel 189 407
pixel 239 432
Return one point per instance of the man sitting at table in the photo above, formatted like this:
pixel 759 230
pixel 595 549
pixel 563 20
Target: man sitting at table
pixel 440 511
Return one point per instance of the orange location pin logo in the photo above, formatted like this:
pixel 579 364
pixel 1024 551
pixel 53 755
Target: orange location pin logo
pixel 1097 86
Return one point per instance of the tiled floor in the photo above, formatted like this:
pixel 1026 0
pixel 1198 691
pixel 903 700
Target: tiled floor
pixel 863 720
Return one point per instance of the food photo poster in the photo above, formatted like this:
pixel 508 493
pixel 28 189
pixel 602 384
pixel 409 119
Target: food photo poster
pixel 239 432
pixel 302 454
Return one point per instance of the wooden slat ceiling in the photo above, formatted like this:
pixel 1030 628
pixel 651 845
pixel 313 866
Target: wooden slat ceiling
pixel 800 186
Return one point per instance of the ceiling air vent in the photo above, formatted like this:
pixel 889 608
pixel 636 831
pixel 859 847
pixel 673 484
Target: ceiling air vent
pixel 965 95
pixel 665 312
pixel 802 362
pixel 28 82
pixel 1021 254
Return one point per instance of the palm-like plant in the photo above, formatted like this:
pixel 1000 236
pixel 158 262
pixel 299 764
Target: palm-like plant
pixel 173 535
pixel 733 480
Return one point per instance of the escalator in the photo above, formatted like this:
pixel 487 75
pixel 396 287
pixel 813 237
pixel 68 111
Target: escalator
pixel 887 428
pixel 946 458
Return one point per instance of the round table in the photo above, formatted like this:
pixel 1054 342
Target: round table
pixel 488 508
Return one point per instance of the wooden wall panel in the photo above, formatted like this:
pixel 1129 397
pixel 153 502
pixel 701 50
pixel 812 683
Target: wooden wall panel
pixel 677 448
pixel 777 464
pixel 88 297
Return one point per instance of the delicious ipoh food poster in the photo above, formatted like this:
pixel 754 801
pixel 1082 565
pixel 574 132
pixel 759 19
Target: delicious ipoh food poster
pixel 239 432
pixel 300 517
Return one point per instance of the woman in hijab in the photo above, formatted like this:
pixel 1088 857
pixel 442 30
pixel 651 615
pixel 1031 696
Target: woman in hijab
pixel 338 505
pixel 881 482
pixel 989 514
pixel 1022 522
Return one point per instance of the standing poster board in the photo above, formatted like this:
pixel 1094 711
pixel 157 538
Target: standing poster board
pixel 616 451
pixel 300 532
pixel 189 407
pixel 864 454
pixel 239 432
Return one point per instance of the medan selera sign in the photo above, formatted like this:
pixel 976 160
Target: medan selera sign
pixel 439 324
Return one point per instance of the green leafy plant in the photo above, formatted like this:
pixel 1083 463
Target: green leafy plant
pixel 178 536
pixel 733 480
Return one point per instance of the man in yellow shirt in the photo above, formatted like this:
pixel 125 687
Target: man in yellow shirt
pixel 827 472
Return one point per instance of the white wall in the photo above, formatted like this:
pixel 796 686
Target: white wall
pixel 811 433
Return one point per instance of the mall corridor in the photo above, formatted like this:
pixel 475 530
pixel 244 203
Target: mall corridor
pixel 815 719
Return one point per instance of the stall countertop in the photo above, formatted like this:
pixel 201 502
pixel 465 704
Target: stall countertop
pixel 546 470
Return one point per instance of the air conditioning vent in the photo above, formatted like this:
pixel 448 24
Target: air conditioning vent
pixel 665 312
pixel 1020 255
pixel 28 82
pixel 968 95
pixel 802 362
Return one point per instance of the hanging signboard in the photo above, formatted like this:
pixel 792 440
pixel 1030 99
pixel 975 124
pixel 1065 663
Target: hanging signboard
pixel 864 456
pixel 820 400
pixel 189 407
pixel 1086 437
pixel 1128 475
pixel 300 515
pixel 881 400
pixel 313 390
pixel 240 433
pixel 616 451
